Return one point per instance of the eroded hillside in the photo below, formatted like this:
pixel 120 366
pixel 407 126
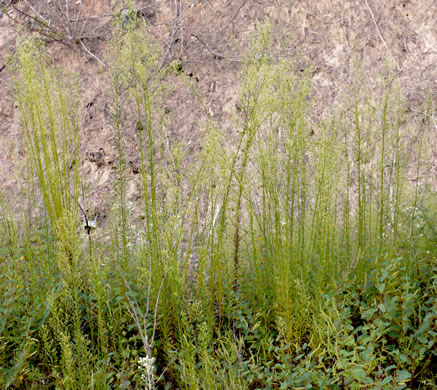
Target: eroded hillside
pixel 209 38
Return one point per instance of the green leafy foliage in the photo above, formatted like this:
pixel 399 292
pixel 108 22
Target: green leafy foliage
pixel 300 258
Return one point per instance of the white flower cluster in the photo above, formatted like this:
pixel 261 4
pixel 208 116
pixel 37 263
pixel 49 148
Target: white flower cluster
pixel 145 364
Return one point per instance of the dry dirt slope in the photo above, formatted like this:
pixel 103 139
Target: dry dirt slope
pixel 208 37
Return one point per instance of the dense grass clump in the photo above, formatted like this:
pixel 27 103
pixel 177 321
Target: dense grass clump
pixel 301 256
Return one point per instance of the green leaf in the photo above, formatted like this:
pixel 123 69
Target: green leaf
pixel 298 357
pixel 387 380
pixel 425 324
pixel 358 373
pixel 403 376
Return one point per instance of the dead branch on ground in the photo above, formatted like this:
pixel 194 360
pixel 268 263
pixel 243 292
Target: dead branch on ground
pixel 381 37
pixel 59 21
pixel 214 53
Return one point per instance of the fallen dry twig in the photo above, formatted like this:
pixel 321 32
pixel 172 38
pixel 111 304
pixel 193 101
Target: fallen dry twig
pixel 215 53
pixel 380 35
pixel 234 15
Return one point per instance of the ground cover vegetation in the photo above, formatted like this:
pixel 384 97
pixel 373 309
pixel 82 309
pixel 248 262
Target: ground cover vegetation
pixel 301 257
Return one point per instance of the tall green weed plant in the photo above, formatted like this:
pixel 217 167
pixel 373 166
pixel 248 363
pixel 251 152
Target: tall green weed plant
pixel 300 256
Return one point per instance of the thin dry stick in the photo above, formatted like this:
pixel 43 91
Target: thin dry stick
pixel 181 23
pixel 67 26
pixel 209 4
pixel 87 18
pixel 174 30
pixel 234 15
pixel 93 17
pixel 67 8
pixel 380 35
pixel 214 53
pixel 181 28
pixel 155 316
pixel 138 316
pixel 78 14
pixel 65 15
pixel 35 19
pixel 177 25
pixel 92 54
pixel 37 13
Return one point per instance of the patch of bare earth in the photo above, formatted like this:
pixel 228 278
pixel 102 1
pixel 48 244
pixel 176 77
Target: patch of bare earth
pixel 209 38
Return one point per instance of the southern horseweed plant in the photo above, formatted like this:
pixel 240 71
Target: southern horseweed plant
pixel 293 253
